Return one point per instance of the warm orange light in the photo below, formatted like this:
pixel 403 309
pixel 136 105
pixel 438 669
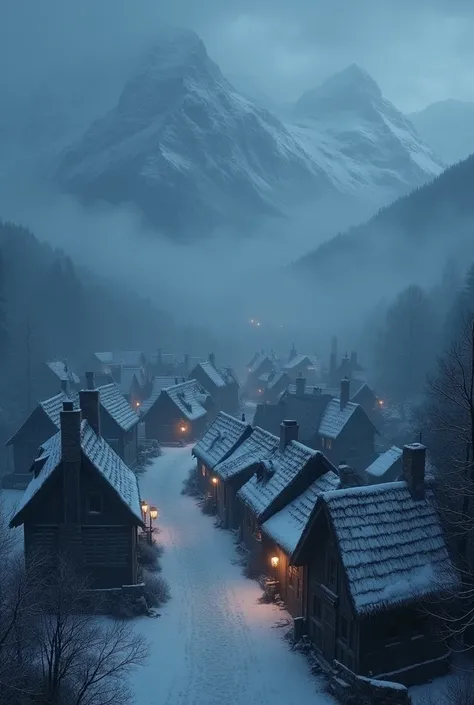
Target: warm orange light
pixel 380 402
pixel 144 506
pixel 214 480
pixel 153 513
pixel 137 404
pixel 183 428
pixel 274 561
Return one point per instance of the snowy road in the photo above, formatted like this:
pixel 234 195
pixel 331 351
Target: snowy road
pixel 214 644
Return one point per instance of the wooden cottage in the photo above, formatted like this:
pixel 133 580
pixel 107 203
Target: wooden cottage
pixel 307 366
pixel 278 478
pixel 119 428
pixel 222 438
pixel 281 535
pixel 234 471
pixel 179 414
pixel 381 556
pixel 83 501
pixel 221 383
pixel 273 384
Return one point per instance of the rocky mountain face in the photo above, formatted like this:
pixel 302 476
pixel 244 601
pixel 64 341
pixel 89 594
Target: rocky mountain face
pixel 448 126
pixel 361 140
pixel 190 153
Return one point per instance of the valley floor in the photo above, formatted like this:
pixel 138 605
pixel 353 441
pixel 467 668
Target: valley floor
pixel 214 644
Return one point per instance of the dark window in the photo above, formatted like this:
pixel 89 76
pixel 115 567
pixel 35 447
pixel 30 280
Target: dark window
pixel 94 503
pixel 328 443
pixel 299 590
pixel 317 608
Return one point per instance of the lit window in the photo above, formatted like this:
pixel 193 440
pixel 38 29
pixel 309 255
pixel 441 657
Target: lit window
pixel 328 443
pixel 94 503
pixel 203 471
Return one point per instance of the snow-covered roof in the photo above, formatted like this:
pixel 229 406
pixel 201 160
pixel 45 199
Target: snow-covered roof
pixel 54 405
pixel 157 385
pixel 334 418
pixel 275 378
pixel 104 459
pixel 287 526
pixel 252 451
pixel 190 398
pixel 168 359
pixel 386 468
pixel 391 546
pixel 299 359
pixel 117 407
pixel 126 358
pixel 280 471
pixel 63 372
pixel 220 439
pixel 220 376
pixel 307 409
pixel 258 362
pixel 361 391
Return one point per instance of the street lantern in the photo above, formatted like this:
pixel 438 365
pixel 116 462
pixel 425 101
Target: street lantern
pixel 274 561
pixel 137 404
pixel 153 513
pixel 144 506
pixel 214 480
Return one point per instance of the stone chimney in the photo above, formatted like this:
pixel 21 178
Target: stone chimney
pixel 89 400
pixel 293 353
pixel 288 432
pixel 71 461
pixel 64 385
pixel 212 359
pixel 300 386
pixel 347 476
pixel 243 418
pixel 345 393
pixel 116 371
pixel 176 380
pixel 413 469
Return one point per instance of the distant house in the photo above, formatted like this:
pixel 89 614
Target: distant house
pixel 179 414
pixel 154 389
pixel 132 383
pixel 307 366
pixel 348 367
pixel 221 383
pixel 53 377
pixel 260 364
pixel 119 428
pixel 83 500
pixel 234 471
pixel 110 364
pixel 274 384
pixel 279 477
pixel 381 554
pixel 221 439
pixel 366 398
pixel 346 433
pixel 161 364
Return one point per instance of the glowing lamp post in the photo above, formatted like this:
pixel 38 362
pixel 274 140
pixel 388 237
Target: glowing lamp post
pixel 144 506
pixel 152 513
pixel 274 560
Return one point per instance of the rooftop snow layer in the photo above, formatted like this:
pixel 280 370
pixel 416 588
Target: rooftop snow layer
pixel 223 436
pixel 105 460
pixel 286 526
pixel 126 358
pixel 392 546
pixel 62 372
pixel 386 467
pixel 190 398
pixel 157 385
pixel 281 471
pixel 334 418
pixel 252 451
pixel 117 407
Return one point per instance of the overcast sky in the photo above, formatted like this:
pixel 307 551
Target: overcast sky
pixel 419 51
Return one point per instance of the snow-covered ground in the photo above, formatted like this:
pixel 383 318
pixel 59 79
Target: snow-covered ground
pixel 214 644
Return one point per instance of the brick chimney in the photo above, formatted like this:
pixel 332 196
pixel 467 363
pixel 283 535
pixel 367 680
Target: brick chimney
pixel 71 461
pixel 212 359
pixel 345 393
pixel 300 386
pixel 413 469
pixel 89 400
pixel 64 385
pixel 347 476
pixel 288 432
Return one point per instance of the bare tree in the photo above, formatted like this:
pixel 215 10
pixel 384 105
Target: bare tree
pixel 85 659
pixel 447 424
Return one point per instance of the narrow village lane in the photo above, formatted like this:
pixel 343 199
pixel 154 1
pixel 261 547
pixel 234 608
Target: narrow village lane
pixel 214 644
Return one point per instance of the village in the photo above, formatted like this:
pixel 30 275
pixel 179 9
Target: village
pixel 292 457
